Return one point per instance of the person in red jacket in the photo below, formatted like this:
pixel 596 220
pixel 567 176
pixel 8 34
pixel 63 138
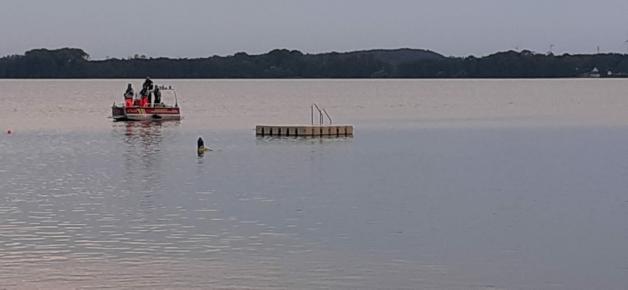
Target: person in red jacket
pixel 147 90
pixel 128 96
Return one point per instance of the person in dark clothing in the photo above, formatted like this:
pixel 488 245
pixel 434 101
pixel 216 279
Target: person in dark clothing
pixel 129 92
pixel 157 93
pixel 200 146
pixel 146 92
pixel 148 84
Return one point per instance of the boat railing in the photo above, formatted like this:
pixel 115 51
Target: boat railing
pixel 137 95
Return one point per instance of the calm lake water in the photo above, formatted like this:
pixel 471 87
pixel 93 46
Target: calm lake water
pixel 462 184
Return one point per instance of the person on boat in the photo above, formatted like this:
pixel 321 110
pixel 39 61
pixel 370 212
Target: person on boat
pixel 143 97
pixel 148 84
pixel 129 92
pixel 128 96
pixel 146 91
pixel 149 99
pixel 157 93
pixel 147 87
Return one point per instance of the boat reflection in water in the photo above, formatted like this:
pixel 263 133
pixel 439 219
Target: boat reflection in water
pixel 142 155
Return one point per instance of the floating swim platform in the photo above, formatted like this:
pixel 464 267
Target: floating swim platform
pixel 314 130
pixel 304 130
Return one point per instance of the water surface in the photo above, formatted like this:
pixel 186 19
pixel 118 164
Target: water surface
pixel 502 184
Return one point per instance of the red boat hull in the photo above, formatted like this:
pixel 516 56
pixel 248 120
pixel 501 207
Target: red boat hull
pixel 145 113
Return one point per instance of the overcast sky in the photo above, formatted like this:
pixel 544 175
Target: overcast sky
pixel 195 28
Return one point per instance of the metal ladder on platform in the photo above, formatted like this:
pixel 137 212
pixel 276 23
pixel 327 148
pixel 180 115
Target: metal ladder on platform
pixel 321 112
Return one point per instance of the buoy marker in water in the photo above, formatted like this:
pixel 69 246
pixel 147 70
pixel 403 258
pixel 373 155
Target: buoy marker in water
pixel 9 131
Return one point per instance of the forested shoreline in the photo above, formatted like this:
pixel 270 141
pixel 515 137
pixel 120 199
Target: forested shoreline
pixel 283 63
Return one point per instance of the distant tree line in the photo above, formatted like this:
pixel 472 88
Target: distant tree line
pixel 282 63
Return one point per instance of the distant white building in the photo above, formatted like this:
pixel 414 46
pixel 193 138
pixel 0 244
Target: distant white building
pixel 595 73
